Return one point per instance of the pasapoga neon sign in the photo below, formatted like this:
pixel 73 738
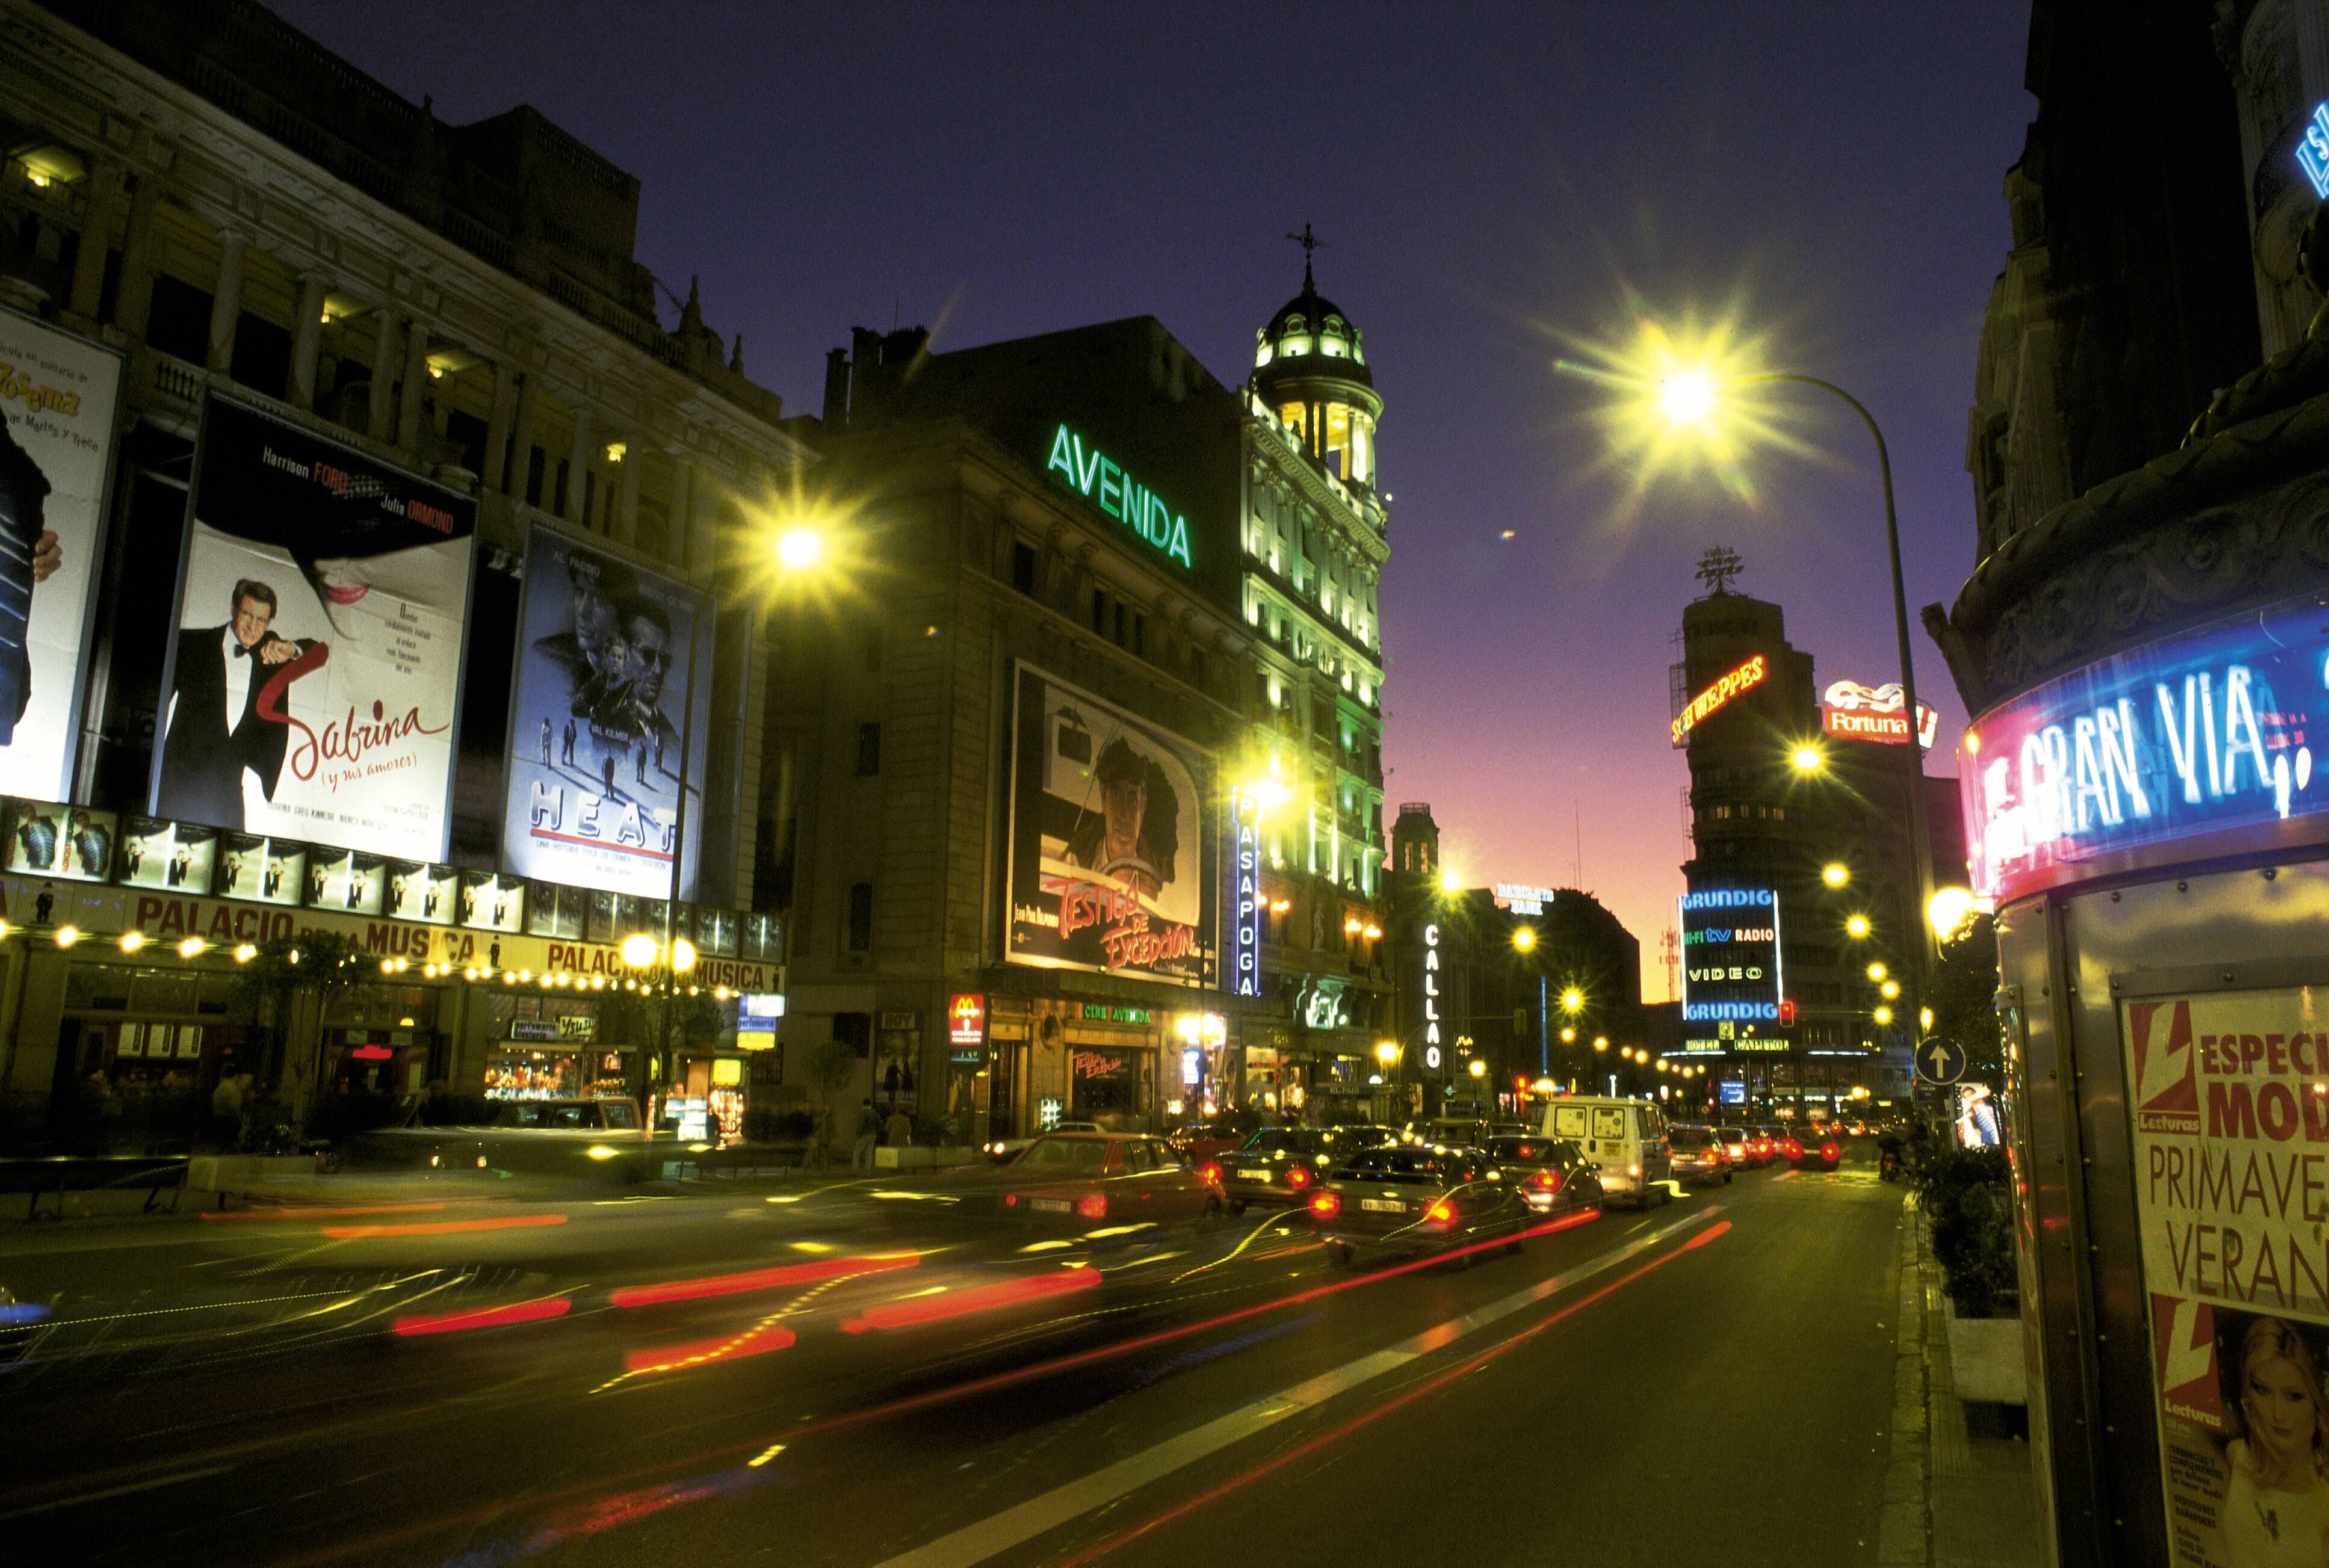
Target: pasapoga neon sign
pixel 1097 478
pixel 1747 677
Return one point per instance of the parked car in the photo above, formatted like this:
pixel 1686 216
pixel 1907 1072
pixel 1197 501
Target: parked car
pixel 1003 1150
pixel 1624 1139
pixel 1410 1197
pixel 1698 1155
pixel 1554 1176
pixel 1081 1180
pixel 1282 1166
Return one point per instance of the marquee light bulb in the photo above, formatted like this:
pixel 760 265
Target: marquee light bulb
pixel 1835 874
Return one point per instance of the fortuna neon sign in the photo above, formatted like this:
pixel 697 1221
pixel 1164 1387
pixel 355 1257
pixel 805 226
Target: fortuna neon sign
pixel 1746 678
pixel 1094 476
pixel 2313 151
pixel 1856 712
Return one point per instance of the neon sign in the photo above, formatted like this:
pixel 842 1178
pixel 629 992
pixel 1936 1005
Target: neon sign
pixel 1245 896
pixel 1431 994
pixel 1523 900
pixel 1856 712
pixel 1746 678
pixel 1095 476
pixel 2198 732
pixel 966 1020
pixel 1731 956
pixel 2313 151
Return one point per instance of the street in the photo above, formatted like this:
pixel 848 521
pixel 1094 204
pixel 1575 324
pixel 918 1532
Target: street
pixel 881 1372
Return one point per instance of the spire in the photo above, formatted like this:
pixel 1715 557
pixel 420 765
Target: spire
pixel 736 363
pixel 691 314
pixel 1309 242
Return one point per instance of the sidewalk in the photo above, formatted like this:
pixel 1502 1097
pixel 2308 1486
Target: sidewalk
pixel 1958 1492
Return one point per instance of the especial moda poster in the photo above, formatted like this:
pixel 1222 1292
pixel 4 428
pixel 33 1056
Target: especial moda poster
pixel 315 677
pixel 1110 868
pixel 2230 1203
pixel 601 719
pixel 58 399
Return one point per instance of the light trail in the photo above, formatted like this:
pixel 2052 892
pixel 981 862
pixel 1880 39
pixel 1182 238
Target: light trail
pixel 356 1233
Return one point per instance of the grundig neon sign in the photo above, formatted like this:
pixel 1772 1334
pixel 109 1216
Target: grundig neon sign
pixel 1095 476
pixel 1747 677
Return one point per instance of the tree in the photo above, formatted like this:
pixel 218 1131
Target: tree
pixel 268 987
pixel 1963 996
pixel 632 1014
pixel 831 1067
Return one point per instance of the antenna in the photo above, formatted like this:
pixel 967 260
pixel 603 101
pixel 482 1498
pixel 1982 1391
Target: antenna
pixel 1716 567
pixel 1309 242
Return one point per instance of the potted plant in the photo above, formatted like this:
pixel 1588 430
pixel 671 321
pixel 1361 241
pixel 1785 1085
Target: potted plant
pixel 1967 1196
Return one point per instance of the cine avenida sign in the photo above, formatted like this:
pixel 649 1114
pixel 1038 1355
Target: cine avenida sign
pixel 1097 478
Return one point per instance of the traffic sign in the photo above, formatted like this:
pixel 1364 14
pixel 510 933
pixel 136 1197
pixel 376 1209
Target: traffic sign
pixel 1940 1062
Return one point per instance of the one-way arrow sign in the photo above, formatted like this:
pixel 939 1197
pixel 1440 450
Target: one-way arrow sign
pixel 1939 1062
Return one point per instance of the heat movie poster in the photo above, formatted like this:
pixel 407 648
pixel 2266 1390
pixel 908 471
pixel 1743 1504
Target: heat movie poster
pixel 1110 868
pixel 315 679
pixel 2230 1108
pixel 599 723
pixel 58 395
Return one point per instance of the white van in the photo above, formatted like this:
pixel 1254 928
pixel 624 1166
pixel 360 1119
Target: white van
pixel 1626 1140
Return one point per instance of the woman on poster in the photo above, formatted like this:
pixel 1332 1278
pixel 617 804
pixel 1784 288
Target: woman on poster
pixel 2277 1506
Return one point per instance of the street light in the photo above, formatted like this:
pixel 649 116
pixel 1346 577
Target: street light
pixel 1835 874
pixel 1856 926
pixel 1479 1068
pixel 1948 909
pixel 1807 758
pixel 1573 1000
pixel 1891 990
pixel 1877 971
pixel 1601 1042
pixel 800 548
pixel 1524 939
pixel 1884 1015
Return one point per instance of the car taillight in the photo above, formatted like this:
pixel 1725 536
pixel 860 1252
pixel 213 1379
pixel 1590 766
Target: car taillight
pixel 1011 1200
pixel 1295 1175
pixel 1325 1205
pixel 1439 1213
pixel 1633 1170
pixel 1094 1206
pixel 1827 1151
pixel 1549 1180
pixel 1212 1174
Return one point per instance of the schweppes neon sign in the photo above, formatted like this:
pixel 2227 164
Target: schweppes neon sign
pixel 1745 678
pixel 1096 476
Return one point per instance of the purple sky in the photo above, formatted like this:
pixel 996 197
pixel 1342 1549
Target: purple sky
pixel 1485 180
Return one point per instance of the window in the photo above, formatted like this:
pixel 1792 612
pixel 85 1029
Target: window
pixel 855 1030
pixel 1140 635
pixel 861 918
pixel 1022 568
pixel 1099 612
pixel 869 749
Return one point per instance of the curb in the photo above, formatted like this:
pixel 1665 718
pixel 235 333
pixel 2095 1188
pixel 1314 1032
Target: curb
pixel 1904 1535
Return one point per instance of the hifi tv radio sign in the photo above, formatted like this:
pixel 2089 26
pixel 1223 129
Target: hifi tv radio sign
pixel 1731 956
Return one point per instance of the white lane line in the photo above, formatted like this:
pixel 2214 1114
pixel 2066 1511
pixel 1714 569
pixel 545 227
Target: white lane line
pixel 1013 1526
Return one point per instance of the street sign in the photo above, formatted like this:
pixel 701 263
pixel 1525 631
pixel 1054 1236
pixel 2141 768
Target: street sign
pixel 1940 1062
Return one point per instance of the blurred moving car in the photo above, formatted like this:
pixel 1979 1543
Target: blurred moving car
pixel 1741 1143
pixel 1817 1148
pixel 1624 1139
pixel 1203 1141
pixel 597 1139
pixel 1002 1150
pixel 1283 1166
pixel 1118 1179
pixel 1699 1154
pixel 1554 1176
pixel 1407 1198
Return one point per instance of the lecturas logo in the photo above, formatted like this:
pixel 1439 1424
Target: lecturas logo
pixel 2183 1334
pixel 2166 1094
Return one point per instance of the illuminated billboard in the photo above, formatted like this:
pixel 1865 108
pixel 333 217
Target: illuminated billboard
pixel 1851 711
pixel 1731 969
pixel 1111 866
pixel 315 673
pixel 1725 687
pixel 59 394
pixel 2195 734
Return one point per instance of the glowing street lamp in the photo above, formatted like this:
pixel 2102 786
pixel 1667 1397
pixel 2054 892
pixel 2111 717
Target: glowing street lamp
pixel 638 950
pixel 1573 1000
pixel 1884 1015
pixel 1948 909
pixel 1835 874
pixel 1524 939
pixel 1856 927
pixel 1450 882
pixel 1891 990
pixel 1807 758
pixel 1601 1042
pixel 800 548
pixel 1877 971
pixel 1479 1068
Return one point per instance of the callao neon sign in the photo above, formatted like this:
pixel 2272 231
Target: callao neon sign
pixel 1746 678
pixel 1094 476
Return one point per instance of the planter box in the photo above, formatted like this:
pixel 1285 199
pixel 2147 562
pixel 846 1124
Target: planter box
pixel 1985 1358
pixel 237 1172
pixel 904 1157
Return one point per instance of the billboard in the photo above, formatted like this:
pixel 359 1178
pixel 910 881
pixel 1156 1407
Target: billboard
pixel 315 677
pixel 73 842
pixel 1731 956
pixel 599 723
pixel 1109 859
pixel 1851 711
pixel 57 398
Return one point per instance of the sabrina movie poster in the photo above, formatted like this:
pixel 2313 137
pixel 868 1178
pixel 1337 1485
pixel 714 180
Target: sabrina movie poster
pixel 2232 1193
pixel 316 670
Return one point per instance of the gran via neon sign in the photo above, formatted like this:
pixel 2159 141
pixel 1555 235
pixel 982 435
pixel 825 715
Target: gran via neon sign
pixel 1097 478
pixel 2313 150
pixel 1746 678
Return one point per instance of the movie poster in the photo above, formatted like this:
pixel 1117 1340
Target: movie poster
pixel 72 842
pixel 159 853
pixel 59 394
pixel 265 871
pixel 422 892
pixel 599 721
pixel 315 679
pixel 1111 870
pixel 2232 1203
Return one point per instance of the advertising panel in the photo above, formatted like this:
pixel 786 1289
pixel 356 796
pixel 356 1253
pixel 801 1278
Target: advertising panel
pixel 315 677
pixel 57 398
pixel 1851 711
pixel 179 856
pixel 269 870
pixel 52 841
pixel 1731 956
pixel 2231 1151
pixel 1108 854
pixel 1717 696
pixel 597 727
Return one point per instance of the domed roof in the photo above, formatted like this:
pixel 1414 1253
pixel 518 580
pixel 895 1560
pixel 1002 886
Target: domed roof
pixel 1310 332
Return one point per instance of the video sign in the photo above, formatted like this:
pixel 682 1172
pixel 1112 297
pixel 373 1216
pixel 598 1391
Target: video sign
pixel 1110 861
pixel 316 676
pixel 1731 956
pixel 59 394
pixel 599 722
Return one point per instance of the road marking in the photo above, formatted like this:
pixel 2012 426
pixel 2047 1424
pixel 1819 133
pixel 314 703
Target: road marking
pixel 81 1498
pixel 1014 1526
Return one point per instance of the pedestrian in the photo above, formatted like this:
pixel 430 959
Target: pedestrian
pixel 228 1102
pixel 898 1131
pixel 868 1132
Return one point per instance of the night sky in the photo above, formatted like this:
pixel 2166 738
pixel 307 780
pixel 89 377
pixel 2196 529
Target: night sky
pixel 1494 186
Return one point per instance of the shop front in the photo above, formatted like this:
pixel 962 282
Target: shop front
pixel 1062 1060
pixel 2146 813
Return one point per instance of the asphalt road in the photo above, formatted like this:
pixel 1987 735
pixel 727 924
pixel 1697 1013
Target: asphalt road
pixel 889 1374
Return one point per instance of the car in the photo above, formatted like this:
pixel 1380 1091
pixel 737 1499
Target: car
pixel 1699 1154
pixel 1111 1178
pixel 1282 1166
pixel 1002 1151
pixel 1775 1135
pixel 1624 1139
pixel 1741 1143
pixel 1203 1141
pixel 1554 1176
pixel 1454 1132
pixel 1405 1198
pixel 1817 1149
pixel 601 1138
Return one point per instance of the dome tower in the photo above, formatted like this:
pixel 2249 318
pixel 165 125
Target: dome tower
pixel 1310 368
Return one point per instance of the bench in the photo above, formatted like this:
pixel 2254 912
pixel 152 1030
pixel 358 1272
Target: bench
pixel 59 1174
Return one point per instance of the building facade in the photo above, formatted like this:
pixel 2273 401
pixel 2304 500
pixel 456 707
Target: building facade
pixel 1094 573
pixel 278 273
